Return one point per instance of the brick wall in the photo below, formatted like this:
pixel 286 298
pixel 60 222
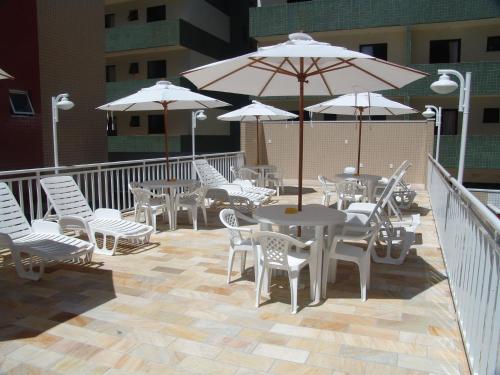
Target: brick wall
pixel 71 44
pixel 331 146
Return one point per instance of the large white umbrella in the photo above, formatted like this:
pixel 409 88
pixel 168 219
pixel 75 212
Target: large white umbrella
pixel 257 112
pixel 163 96
pixel 357 104
pixel 5 75
pixel 301 66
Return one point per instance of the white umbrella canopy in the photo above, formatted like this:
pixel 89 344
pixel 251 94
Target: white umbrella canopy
pixel 360 104
pixel 5 75
pixel 257 112
pixel 301 66
pixel 163 96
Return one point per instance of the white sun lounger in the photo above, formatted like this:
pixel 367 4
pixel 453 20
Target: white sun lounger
pixel 34 246
pixel 74 212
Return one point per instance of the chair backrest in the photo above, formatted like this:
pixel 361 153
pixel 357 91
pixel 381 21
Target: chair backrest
pixel 275 247
pixel 141 196
pixel 348 189
pixel 208 175
pixel 12 219
pixel 229 219
pixel 377 215
pixel 65 196
pixel 326 185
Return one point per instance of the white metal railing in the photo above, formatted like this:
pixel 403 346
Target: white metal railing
pixel 469 235
pixel 106 184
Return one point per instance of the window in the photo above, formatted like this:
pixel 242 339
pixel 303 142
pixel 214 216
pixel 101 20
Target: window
pixel 133 68
pixel 109 20
pixel 135 121
pixel 155 13
pixel 133 15
pixel 378 50
pixel 444 51
pixel 491 115
pixel 20 103
pixel 493 44
pixel 375 117
pixel 329 117
pixel 155 124
pixel 449 122
pixel 111 126
pixel 157 69
pixel 110 73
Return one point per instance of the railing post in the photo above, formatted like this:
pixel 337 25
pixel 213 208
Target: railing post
pixel 38 197
pixel 99 186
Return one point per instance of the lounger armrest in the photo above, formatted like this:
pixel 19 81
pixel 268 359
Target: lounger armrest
pixel 108 213
pixel 5 241
pixel 44 226
pixel 230 187
pixel 73 222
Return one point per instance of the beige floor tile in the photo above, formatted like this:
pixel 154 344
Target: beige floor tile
pixel 281 352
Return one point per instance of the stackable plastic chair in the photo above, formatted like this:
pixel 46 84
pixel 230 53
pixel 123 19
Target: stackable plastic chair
pixel 349 191
pixel 192 201
pixel 275 254
pixel 73 211
pixel 34 246
pixel 274 178
pixel 328 189
pixel 246 174
pixel 150 204
pixel 240 240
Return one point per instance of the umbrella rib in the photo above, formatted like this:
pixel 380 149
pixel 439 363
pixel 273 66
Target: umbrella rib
pixel 293 66
pixel 130 106
pixel 371 74
pixel 314 63
pixel 327 69
pixel 388 110
pixel 203 105
pixel 270 78
pixel 254 61
pixel 323 77
pixel 402 67
pixel 277 69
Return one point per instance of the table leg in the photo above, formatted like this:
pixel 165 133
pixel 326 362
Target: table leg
pixel 326 260
pixel 319 233
pixel 173 209
pixel 370 187
pixel 260 262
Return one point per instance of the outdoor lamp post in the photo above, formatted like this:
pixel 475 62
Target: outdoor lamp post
pixel 446 86
pixel 60 101
pixel 196 115
pixel 430 112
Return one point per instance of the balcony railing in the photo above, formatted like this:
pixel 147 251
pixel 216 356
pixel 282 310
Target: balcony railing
pixel 469 235
pixel 106 184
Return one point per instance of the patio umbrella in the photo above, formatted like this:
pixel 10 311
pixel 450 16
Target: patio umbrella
pixel 163 96
pixel 301 66
pixel 5 75
pixel 356 104
pixel 257 112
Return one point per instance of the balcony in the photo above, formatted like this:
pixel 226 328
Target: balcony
pixel 119 89
pixel 147 35
pixel 327 15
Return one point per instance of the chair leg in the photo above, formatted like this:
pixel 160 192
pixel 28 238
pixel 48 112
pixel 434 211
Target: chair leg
pixel 153 217
pixel 259 285
pixel 204 211
pixel 362 279
pixel 230 264
pixel 293 276
pixel 243 262
pixel 194 217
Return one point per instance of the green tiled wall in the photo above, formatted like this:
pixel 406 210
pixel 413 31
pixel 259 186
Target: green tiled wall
pixel 143 143
pixel 148 35
pixel 481 152
pixel 326 15
pixel 117 90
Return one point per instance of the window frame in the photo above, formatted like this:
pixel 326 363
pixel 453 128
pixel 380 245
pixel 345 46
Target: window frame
pixel 150 125
pixel 19 113
pixel 446 40
pixel 106 72
pixel 132 123
pixel 148 20
pixel 130 68
pixel 113 16
pixel 497 121
pixel 488 47
pixel 133 12
pixel 164 76
pixel 376 44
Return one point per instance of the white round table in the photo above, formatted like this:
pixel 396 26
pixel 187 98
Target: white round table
pixel 369 179
pixel 172 186
pixel 312 215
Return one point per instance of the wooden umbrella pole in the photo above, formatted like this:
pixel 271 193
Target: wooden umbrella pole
pixel 257 131
pixel 165 122
pixel 360 109
pixel 301 77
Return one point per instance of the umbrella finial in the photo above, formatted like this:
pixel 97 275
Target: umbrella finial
pixel 300 36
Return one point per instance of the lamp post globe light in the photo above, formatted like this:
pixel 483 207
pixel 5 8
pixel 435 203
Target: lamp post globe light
pixel 446 86
pixel 430 112
pixel 196 115
pixel 60 101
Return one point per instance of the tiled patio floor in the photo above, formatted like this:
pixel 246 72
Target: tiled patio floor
pixel 166 309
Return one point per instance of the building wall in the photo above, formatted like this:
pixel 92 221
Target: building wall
pixel 71 44
pixel 331 146
pixel 21 136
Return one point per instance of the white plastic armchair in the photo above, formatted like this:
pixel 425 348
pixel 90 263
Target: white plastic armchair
pixel 349 191
pixel 192 201
pixel 275 254
pixel 328 189
pixel 274 178
pixel 246 174
pixel 240 240
pixel 34 246
pixel 150 204
pixel 73 211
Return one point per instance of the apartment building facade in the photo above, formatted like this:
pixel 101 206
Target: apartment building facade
pixel 152 40
pixel 43 48
pixel 427 35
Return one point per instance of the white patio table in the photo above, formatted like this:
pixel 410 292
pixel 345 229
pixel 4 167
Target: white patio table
pixel 369 179
pixel 312 215
pixel 172 186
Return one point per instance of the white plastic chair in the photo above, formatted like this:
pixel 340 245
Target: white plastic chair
pixel 354 253
pixel 34 246
pixel 275 254
pixel 349 191
pixel 74 212
pixel 192 201
pixel 240 240
pixel 150 204
pixel 246 174
pixel 328 189
pixel 274 178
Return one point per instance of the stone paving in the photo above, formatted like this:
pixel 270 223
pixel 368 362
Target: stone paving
pixel 165 308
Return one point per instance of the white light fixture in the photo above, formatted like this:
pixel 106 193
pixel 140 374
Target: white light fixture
pixel 60 101
pixel 430 112
pixel 196 115
pixel 446 86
